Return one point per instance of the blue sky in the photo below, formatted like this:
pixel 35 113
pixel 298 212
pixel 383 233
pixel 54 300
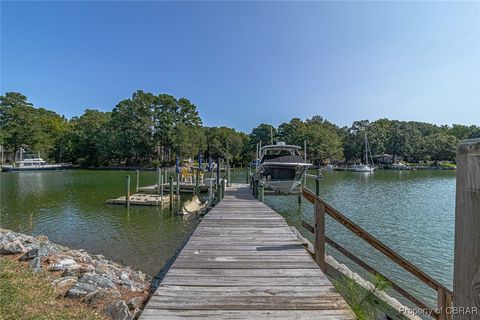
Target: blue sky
pixel 243 63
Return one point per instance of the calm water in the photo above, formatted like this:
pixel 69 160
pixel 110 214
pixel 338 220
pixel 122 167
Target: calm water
pixel 411 211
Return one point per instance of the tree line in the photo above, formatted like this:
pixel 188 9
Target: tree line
pixel 152 130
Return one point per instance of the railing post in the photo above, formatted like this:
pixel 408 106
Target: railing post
pixel 444 305
pixel 127 191
pixel 466 277
pixel 319 251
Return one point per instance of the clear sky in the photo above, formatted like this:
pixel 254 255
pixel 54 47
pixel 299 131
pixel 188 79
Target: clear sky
pixel 243 63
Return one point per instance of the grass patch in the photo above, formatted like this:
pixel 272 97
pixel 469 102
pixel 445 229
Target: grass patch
pixel 25 294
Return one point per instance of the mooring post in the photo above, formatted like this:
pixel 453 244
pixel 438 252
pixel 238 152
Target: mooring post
pixel 197 182
pixel 261 194
pixel 210 189
pixel 137 176
pixel 466 278
pixel 160 185
pixel 170 190
pixel 178 184
pixel 222 192
pixel 229 183
pixel 218 172
pixel 317 182
pixel 127 191
pixel 159 173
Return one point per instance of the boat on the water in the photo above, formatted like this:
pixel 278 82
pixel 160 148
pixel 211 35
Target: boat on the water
pixel 365 167
pixel 281 168
pixel 34 164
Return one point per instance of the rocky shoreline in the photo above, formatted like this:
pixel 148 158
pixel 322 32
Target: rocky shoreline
pixel 118 291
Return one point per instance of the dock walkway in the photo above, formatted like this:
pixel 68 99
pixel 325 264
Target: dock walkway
pixel 244 262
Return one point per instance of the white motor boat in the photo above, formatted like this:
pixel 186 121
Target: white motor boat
pixel 281 168
pixel 363 168
pixel 35 164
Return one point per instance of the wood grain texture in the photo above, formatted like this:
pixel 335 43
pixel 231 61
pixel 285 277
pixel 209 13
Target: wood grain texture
pixel 245 262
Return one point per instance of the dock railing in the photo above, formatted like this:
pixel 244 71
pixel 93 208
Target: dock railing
pixel 321 208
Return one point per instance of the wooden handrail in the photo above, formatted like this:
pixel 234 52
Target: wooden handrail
pixel 377 244
pixel 444 295
pixel 370 269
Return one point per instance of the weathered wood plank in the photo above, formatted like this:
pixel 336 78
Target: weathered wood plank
pixel 246 314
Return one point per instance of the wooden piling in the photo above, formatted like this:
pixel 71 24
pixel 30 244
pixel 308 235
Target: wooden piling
pixel 229 183
pixel 466 279
pixel 222 189
pixel 197 182
pixel 170 191
pixel 218 172
pixel 178 184
pixel 137 180
pixel 159 183
pixel 127 191
pixel 317 182
pixel 261 194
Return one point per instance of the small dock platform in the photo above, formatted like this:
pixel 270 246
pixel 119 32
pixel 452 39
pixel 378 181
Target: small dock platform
pixel 143 200
pixel 184 188
pixel 244 262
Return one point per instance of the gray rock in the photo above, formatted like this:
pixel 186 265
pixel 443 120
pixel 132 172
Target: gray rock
pixel 100 296
pixel 80 289
pixel 101 281
pixel 63 265
pixel 77 271
pixel 118 310
pixel 36 265
pixel 32 253
pixel 64 282
pixel 134 303
pixel 13 247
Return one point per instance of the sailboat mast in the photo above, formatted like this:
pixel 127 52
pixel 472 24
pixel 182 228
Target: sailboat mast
pixel 366 150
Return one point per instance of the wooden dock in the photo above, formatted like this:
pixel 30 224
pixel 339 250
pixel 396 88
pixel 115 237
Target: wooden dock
pixel 143 200
pixel 184 188
pixel 244 262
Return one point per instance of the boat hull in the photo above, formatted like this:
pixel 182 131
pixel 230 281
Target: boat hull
pixel 285 178
pixel 29 169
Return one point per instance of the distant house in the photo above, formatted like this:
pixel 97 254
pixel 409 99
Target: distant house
pixel 386 159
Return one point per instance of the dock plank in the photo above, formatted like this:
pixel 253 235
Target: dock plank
pixel 245 262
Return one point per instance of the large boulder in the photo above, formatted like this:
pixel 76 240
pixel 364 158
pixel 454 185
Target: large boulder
pixel 100 281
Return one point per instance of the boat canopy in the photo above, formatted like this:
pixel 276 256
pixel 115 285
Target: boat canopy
pixel 281 146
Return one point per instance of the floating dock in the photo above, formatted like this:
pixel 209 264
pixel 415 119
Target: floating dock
pixel 184 188
pixel 143 200
pixel 244 262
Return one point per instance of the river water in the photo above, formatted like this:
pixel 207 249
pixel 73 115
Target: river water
pixel 410 211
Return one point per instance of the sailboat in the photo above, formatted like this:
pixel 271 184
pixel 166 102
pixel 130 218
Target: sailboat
pixel 365 167
pixel 281 168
